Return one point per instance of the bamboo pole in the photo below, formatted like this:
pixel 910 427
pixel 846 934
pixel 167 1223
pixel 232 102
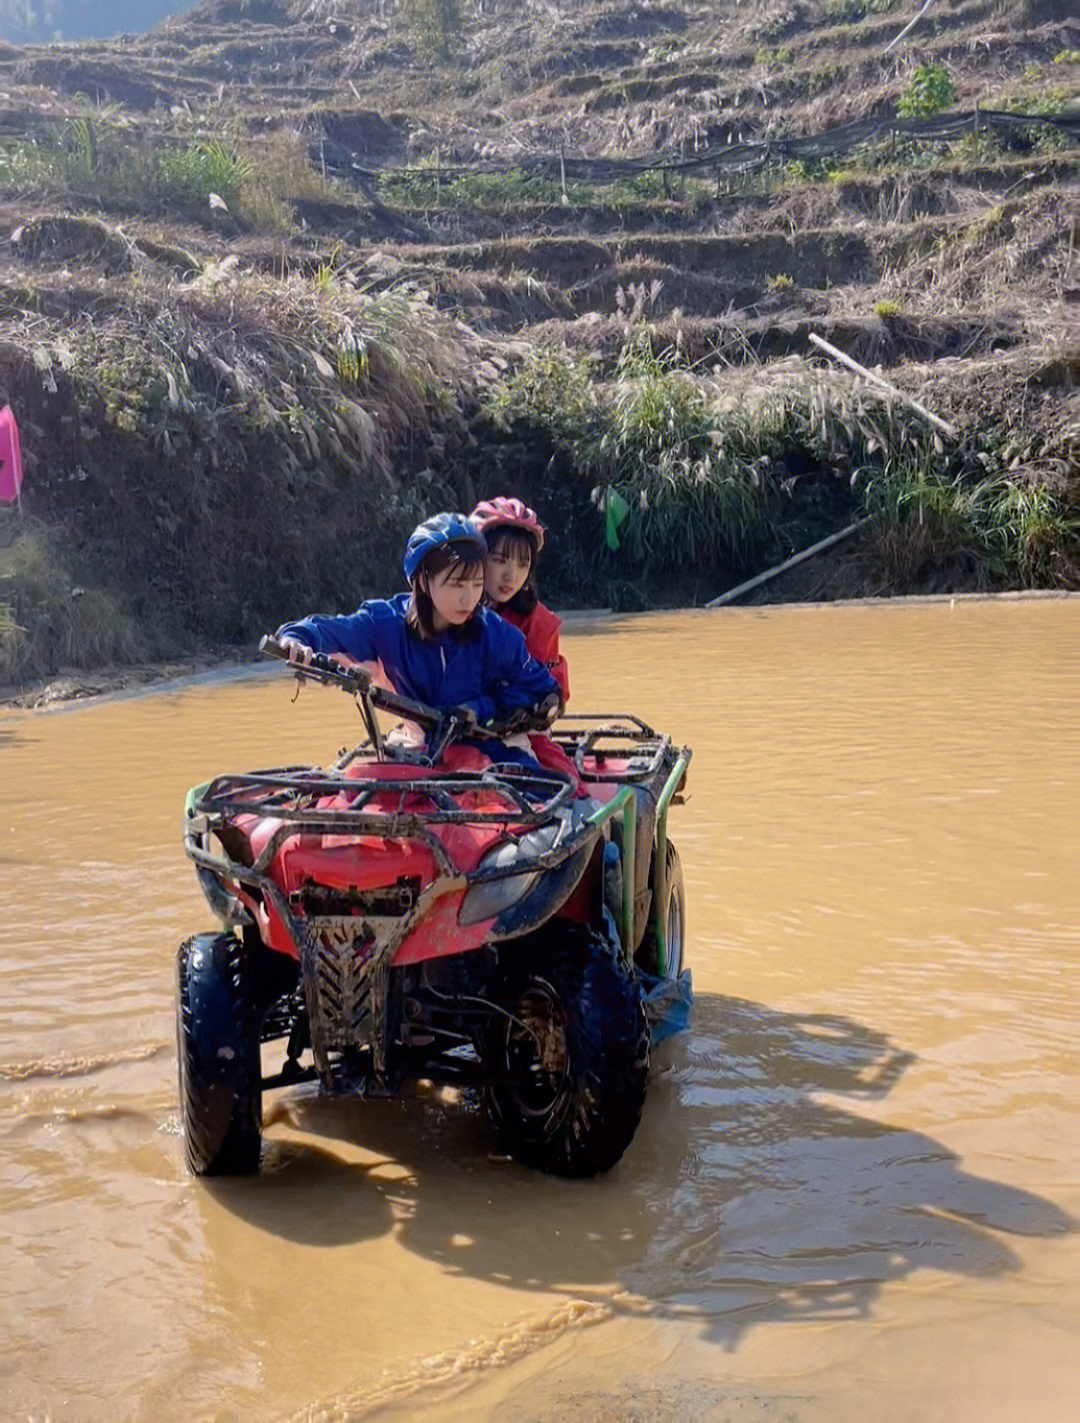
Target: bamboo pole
pixel 909 26
pixel 839 355
pixel 733 593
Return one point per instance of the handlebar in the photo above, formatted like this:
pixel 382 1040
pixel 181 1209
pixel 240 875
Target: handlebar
pixel 358 683
pixel 354 680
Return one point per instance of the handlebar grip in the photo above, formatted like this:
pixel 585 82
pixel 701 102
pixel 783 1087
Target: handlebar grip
pixel 323 662
pixel 270 647
pixel 321 667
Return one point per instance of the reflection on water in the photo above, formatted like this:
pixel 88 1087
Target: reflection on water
pixel 750 1196
pixel 788 1206
pixel 856 1176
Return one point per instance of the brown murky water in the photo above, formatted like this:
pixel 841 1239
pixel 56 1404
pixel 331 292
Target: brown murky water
pixel 856 1186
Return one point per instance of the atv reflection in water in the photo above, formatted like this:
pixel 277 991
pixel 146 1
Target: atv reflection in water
pixel 430 912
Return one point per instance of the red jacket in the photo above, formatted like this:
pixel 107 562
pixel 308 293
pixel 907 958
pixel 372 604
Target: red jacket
pixel 541 632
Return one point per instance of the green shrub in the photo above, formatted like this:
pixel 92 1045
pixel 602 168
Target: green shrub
pixel 435 26
pixel 847 12
pixel 811 170
pixel 188 176
pixel 102 159
pixel 77 155
pixel 929 90
pixel 49 621
pixel 423 185
pixel 700 468
pixel 1047 102
pixel 773 58
pixel 647 185
pixel 1027 528
pixel 999 529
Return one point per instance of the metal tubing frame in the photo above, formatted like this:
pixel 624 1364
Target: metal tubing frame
pixel 624 801
pixel 660 867
pixel 203 809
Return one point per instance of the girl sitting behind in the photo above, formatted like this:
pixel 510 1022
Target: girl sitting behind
pixel 514 538
pixel 437 643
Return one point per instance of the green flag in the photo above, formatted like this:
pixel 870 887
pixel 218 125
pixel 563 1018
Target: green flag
pixel 615 511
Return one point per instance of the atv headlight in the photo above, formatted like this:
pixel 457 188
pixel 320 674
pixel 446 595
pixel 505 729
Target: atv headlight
pixel 491 897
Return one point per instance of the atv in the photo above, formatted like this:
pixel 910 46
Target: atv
pixel 427 910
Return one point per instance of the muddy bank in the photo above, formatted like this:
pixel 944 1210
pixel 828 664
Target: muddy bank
pixel 72 685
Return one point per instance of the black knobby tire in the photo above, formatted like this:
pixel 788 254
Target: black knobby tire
pixel 674 917
pixel 569 1056
pixel 217 1039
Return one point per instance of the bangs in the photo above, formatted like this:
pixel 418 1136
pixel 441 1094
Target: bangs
pixel 462 556
pixel 465 568
pixel 506 541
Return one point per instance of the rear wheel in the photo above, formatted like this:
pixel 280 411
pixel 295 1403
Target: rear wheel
pixel 217 1039
pixel 673 916
pixel 569 1056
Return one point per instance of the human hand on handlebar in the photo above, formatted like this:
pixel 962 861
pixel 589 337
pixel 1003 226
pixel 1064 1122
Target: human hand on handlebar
pixel 547 712
pixel 465 717
pixel 537 718
pixel 296 652
pixel 306 662
pixel 519 720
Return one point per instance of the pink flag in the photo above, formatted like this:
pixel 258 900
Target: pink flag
pixel 10 457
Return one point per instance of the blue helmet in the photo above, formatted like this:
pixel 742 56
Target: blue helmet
pixel 438 530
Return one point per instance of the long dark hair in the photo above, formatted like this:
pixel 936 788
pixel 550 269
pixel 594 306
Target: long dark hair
pixel 509 539
pixel 420 619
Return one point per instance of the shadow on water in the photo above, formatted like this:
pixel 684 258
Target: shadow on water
pixel 751 1192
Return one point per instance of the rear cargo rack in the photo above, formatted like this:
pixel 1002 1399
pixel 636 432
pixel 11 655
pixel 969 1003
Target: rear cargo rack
pixel 607 736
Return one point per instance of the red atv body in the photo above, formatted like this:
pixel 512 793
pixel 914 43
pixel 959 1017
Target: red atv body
pixel 435 912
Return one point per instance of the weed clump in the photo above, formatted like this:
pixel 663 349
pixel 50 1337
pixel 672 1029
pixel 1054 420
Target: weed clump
pixel 217 449
pixel 108 161
pixel 51 621
pixel 722 473
pixel 929 90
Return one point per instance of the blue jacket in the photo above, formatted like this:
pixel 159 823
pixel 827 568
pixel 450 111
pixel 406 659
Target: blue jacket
pixel 491 672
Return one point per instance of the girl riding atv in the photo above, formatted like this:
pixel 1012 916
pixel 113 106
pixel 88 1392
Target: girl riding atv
pixel 437 643
pixel 436 913
pixel 514 538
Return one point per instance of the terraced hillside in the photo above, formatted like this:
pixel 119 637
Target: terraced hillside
pixel 679 192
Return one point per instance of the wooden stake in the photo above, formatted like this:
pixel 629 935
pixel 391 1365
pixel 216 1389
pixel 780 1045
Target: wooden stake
pixel 782 567
pixel 909 26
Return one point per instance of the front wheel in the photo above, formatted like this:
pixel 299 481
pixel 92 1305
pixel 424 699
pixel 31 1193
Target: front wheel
pixel 217 1040
pixel 568 1059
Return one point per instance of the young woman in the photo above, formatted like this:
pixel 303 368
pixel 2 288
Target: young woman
pixel 514 538
pixel 437 643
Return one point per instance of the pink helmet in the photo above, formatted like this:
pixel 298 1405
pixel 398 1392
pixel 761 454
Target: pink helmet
pixel 512 513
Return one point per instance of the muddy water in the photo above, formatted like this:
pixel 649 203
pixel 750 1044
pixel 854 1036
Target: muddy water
pixel 855 1189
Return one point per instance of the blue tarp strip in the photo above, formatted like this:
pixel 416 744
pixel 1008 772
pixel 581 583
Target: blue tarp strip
pixel 667 1004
